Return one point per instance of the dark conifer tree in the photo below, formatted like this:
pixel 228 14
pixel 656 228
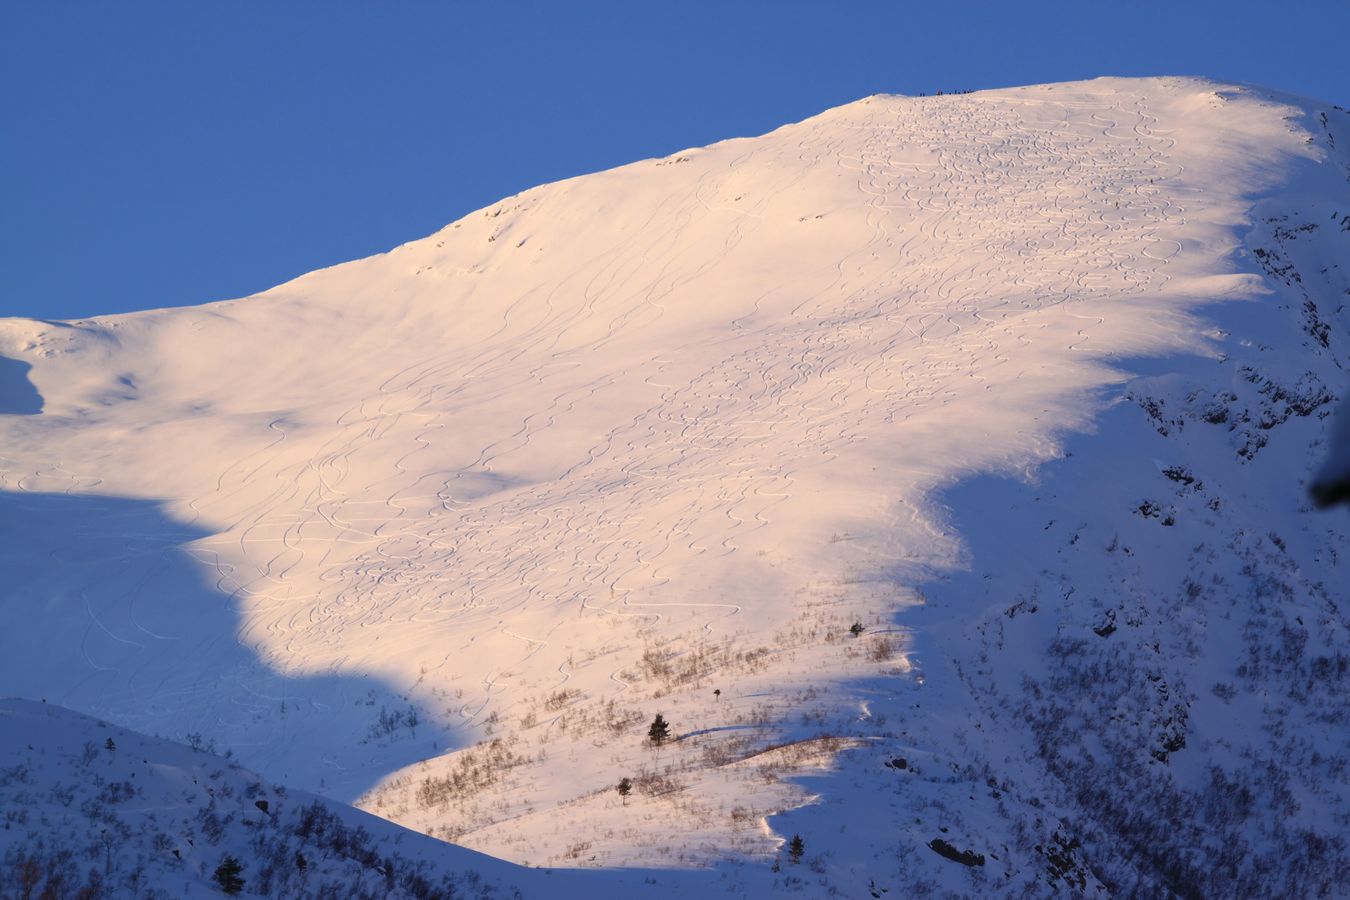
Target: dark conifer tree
pixel 659 733
pixel 227 875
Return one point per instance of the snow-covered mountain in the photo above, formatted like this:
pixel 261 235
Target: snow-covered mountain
pixel 1027 384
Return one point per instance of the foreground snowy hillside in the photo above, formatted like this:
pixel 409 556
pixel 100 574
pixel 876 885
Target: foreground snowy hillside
pixel 92 807
pixel 1025 383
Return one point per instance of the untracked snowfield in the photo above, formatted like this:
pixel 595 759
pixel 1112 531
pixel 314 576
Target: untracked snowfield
pixel 440 531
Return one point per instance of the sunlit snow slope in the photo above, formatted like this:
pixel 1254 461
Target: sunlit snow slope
pixel 606 446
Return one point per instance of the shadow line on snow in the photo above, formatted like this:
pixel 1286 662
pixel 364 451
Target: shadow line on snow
pixel 18 395
pixel 110 615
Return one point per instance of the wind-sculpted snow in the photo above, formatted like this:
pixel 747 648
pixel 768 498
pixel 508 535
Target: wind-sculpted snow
pixel 497 497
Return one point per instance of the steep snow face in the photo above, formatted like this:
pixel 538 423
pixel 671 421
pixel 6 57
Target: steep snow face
pixel 621 441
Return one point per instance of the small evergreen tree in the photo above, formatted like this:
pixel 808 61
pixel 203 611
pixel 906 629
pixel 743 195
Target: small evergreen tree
pixel 625 788
pixel 109 745
pixel 796 848
pixel 227 875
pixel 659 733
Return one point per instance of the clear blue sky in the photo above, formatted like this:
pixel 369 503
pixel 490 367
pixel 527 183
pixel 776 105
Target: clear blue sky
pixel 157 154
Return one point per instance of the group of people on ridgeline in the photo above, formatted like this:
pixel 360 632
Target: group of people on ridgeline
pixel 948 93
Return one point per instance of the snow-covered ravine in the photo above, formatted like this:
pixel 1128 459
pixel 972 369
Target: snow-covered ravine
pixel 440 531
